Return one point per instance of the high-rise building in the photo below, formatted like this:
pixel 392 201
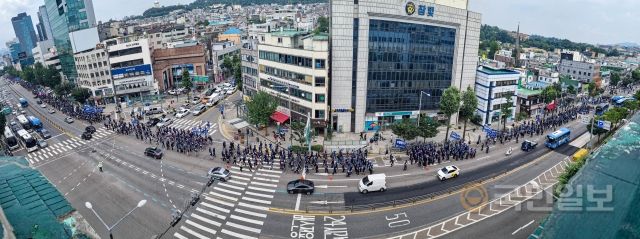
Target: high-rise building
pixel 23 27
pixel 43 27
pixel 14 49
pixel 67 16
pixel 391 61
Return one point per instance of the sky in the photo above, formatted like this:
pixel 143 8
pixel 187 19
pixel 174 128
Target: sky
pixel 590 21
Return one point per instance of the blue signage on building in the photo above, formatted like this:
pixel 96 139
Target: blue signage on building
pixel 139 70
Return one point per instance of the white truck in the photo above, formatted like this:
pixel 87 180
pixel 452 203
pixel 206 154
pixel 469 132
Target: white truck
pixel 373 182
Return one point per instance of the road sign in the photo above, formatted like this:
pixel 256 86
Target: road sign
pixel 455 136
pixel 603 124
pixel 584 119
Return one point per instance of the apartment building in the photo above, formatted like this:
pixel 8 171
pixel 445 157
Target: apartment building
pixel 94 73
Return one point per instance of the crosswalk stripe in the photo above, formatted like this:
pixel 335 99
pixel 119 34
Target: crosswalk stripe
pixel 177 235
pixel 231 186
pixel 268 175
pixel 253 206
pixel 262 189
pixel 259 195
pixel 244 219
pixel 266 179
pixel 30 162
pixel 213 132
pixel 255 214
pixel 40 158
pixel 215 207
pixel 269 171
pixel 45 155
pixel 246 228
pixel 49 153
pixel 238 182
pixel 213 214
pixel 264 184
pixel 223 196
pixel 219 201
pixel 68 148
pixel 201 227
pixel 226 191
pixel 242 173
pixel 256 200
pixel 201 218
pixel 198 235
pixel 235 234
pixel 242 177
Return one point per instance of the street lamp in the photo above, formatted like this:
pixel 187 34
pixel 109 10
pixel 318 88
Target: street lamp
pixel 109 228
pixel 420 105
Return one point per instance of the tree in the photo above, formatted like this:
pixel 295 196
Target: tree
pixel 615 115
pixel 322 26
pixel 428 128
pixel 237 71
pixel 592 89
pixel 405 129
pixel 521 116
pixel 615 78
pixel 186 82
pixel 450 104
pixel 506 111
pixel 468 108
pixel 571 89
pixel 631 105
pixel 80 94
pixel 596 130
pixel 260 108
pixel 493 48
pixel 63 89
pixel 637 96
pixel 549 94
pixel 297 130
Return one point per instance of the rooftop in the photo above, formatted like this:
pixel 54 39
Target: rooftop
pixel 492 71
pixel 232 30
pixel 321 37
pixel 527 92
pixel 288 33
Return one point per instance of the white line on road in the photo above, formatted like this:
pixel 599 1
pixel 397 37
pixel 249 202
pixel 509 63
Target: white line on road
pixel 522 227
pixel 298 202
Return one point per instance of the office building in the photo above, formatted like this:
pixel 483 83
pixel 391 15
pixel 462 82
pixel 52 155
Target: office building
pixel 23 28
pixel 582 71
pixel 44 26
pixel 385 57
pixel 131 69
pixel 493 87
pixel 66 16
pixel 293 67
pixel 249 64
pixel 14 49
pixel 169 63
pixel 94 73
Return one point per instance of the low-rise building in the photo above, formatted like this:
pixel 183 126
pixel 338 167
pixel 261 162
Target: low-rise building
pixel 493 88
pixel 94 73
pixel 169 63
pixel 585 72
pixel 131 69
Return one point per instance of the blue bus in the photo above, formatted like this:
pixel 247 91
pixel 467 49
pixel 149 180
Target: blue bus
pixel 35 123
pixel 558 138
pixel 23 102
pixel 601 108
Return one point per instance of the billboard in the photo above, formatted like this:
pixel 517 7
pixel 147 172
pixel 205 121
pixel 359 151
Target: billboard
pixel 83 40
pixel 139 70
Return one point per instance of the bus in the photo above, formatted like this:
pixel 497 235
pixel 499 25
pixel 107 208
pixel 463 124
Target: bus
pixel 601 108
pixel 558 138
pixel 28 141
pixel 24 122
pixel 35 123
pixel 23 102
pixel 10 139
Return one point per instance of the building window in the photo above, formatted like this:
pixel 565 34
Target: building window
pixel 319 81
pixel 319 114
pixel 320 63
pixel 279 39
pixel 320 98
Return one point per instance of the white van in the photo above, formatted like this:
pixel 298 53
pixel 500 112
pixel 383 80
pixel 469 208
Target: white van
pixel 373 182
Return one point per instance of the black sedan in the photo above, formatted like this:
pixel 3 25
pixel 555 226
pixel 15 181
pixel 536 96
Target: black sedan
pixel 300 186
pixel 90 129
pixel 153 152
pixel 152 122
pixel 86 136
pixel 44 133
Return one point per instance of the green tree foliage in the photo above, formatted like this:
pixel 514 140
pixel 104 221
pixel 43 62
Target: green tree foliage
pixel 592 88
pixel 297 130
pixel 80 94
pixel 521 116
pixel 549 94
pixel 632 105
pixel 615 78
pixel 237 70
pixel 186 82
pixel 38 74
pixel 616 114
pixel 637 96
pixel 322 26
pixel 468 108
pixel 260 108
pixel 571 90
pixel 450 104
pixel 63 89
pixel 506 110
pixel 405 129
pixel 428 127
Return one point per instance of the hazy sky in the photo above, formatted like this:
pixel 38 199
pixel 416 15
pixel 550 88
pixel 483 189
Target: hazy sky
pixel 592 21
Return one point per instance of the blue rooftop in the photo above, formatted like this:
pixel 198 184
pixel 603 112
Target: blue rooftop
pixel 233 30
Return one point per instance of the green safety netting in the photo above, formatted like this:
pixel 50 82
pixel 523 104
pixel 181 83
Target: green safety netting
pixel 32 205
pixel 615 164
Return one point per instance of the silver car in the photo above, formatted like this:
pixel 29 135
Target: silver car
pixel 219 173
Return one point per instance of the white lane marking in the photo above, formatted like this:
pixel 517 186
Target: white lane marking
pixel 235 234
pixel 215 207
pixel 213 214
pixel 262 189
pixel 238 182
pixel 198 235
pixel 255 214
pixel 226 191
pixel 246 228
pixel 201 227
pixel 298 202
pixel 244 219
pixel 259 195
pixel 219 201
pixel 253 206
pixel 269 171
pixel 201 218
pixel 522 227
pixel 266 179
pixel 264 184
pixel 230 186
pixel 242 173
pixel 218 195
pixel 177 235
pixel 256 200
pixel 268 175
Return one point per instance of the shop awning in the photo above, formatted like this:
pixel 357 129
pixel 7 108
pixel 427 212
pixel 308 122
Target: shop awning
pixel 279 117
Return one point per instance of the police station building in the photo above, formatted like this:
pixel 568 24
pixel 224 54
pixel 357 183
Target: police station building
pixel 386 54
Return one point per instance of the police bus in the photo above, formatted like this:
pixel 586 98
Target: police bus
pixel 601 108
pixel 10 139
pixel 28 141
pixel 558 138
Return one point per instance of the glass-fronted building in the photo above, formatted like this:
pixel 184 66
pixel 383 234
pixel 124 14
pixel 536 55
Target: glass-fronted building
pixel 393 61
pixel 23 28
pixel 67 16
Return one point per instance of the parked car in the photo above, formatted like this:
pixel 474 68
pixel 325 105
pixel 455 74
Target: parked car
pixel 182 113
pixel 199 109
pixel 43 105
pixel 300 186
pixel 69 120
pixel 164 122
pixel 219 173
pixel 42 144
pixel 172 92
pixel 153 152
pixel 90 129
pixel 44 133
pixel 448 172
pixel 196 100
pixel 86 136
pixel 51 110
